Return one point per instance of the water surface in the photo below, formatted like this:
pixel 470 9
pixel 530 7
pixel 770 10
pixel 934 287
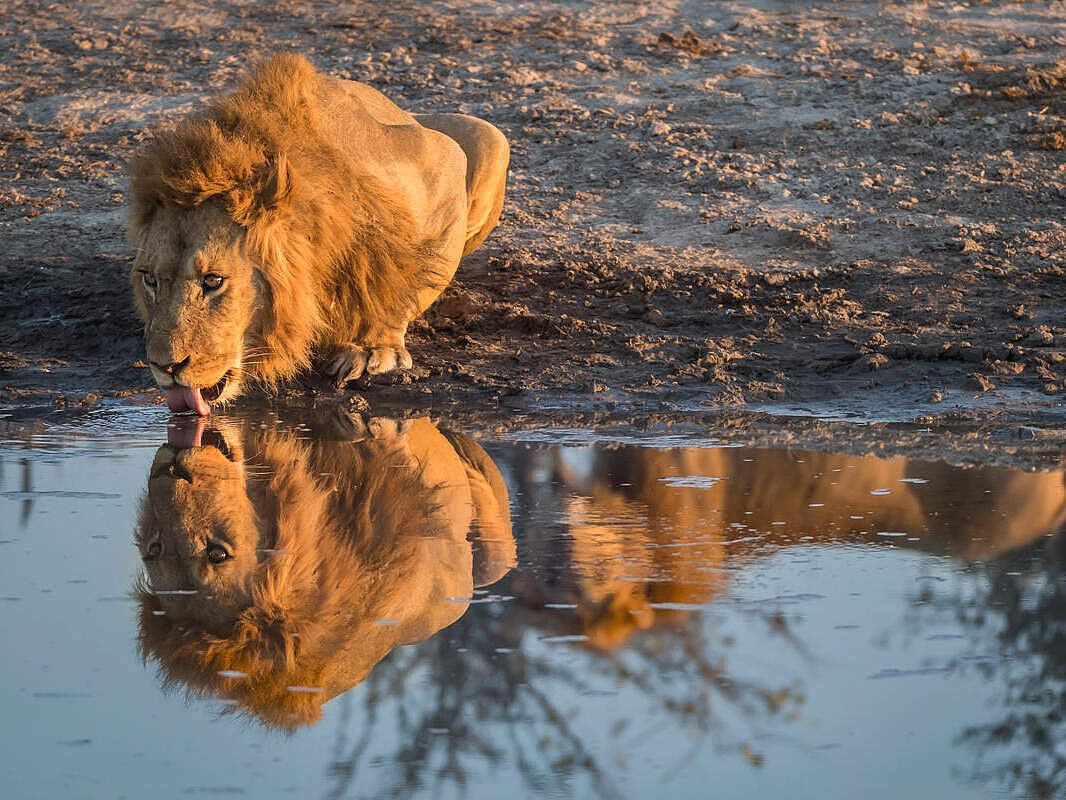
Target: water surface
pixel 331 606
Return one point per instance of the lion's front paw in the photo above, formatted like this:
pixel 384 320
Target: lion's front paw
pixel 353 361
pixel 347 364
pixel 386 359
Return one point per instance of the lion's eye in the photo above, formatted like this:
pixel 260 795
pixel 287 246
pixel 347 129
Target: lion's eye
pixel 154 549
pixel 212 282
pixel 149 281
pixel 216 554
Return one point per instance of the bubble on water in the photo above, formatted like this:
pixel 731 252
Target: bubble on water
pixel 691 481
pixel 892 672
pixel 61 695
pixel 880 492
pixel 492 598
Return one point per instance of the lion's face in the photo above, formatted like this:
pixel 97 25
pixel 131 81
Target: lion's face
pixel 198 293
pixel 199 535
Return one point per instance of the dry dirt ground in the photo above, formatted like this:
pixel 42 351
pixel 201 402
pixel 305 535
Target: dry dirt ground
pixel 848 206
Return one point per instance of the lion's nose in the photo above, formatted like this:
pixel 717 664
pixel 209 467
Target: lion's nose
pixel 172 368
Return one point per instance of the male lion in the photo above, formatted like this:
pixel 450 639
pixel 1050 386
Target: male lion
pixel 274 561
pixel 299 220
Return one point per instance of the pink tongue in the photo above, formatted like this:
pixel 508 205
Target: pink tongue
pixel 183 398
pixel 186 433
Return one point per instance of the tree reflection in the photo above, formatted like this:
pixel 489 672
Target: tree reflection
pixel 621 549
pixel 1018 611
pixel 502 696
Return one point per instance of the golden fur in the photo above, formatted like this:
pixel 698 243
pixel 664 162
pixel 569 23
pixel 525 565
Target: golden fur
pixel 280 182
pixel 327 539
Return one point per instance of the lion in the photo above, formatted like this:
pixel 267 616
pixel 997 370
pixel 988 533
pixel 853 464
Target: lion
pixel 279 570
pixel 300 222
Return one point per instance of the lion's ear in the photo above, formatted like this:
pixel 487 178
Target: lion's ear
pixel 277 183
pixel 260 201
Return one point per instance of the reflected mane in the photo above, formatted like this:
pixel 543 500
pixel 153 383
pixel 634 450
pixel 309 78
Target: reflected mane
pixel 335 549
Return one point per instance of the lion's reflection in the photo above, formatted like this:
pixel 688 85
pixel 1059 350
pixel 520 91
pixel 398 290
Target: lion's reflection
pixel 280 569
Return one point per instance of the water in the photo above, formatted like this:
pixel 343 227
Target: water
pixel 402 611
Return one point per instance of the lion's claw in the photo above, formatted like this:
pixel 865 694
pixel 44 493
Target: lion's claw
pixel 347 364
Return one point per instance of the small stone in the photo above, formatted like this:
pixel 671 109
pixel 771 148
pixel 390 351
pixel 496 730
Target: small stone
pixel 654 316
pixel 873 361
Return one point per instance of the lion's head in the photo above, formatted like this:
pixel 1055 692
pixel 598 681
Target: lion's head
pixel 273 561
pixel 200 294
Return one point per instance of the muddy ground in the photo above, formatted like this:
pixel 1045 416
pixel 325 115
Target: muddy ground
pixel 846 207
